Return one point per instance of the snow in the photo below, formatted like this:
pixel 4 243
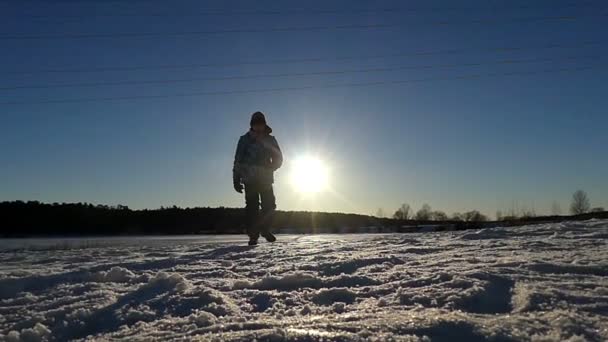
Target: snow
pixel 546 282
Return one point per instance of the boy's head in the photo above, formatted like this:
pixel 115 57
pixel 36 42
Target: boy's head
pixel 258 122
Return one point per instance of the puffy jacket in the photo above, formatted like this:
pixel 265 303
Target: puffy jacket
pixel 256 158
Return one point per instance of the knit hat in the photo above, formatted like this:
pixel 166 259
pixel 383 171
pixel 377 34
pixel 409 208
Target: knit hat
pixel 257 118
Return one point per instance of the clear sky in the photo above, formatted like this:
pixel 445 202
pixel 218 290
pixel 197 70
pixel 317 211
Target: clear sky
pixel 452 118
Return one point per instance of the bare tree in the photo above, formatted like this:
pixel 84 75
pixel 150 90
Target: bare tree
pixel 439 215
pixel 514 211
pixel 424 214
pixel 380 213
pixel 556 209
pixel 527 212
pixel 499 215
pixel 474 216
pixel 580 203
pixel 457 217
pixel 407 211
pixel 403 213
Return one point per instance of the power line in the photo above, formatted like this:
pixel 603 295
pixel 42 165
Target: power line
pixel 191 33
pixel 578 4
pixel 285 29
pixel 302 60
pixel 284 75
pixel 296 88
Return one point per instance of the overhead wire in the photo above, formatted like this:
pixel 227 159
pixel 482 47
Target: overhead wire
pixel 296 88
pixel 114 35
pixel 302 60
pixel 296 74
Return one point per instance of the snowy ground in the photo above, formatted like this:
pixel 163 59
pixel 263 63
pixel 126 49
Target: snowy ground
pixel 540 283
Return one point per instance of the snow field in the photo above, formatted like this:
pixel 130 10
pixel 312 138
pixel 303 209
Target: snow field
pixel 534 283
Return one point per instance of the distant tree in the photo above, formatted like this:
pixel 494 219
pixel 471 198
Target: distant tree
pixel 398 215
pixel 457 217
pixel 499 215
pixel 598 210
pixel 580 203
pixel 527 212
pixel 439 215
pixel 407 211
pixel 380 213
pixel 517 211
pixel 556 209
pixel 403 213
pixel 424 214
pixel 514 212
pixel 474 216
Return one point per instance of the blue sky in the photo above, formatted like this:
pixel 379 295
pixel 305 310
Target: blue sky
pixel 458 142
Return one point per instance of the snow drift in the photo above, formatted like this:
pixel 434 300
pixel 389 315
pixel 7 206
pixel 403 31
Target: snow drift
pixel 534 283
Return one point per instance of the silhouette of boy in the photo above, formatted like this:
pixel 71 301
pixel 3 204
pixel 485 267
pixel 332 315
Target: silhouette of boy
pixel 257 157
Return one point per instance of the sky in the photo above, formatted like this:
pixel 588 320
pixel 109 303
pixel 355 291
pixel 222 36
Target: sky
pixel 487 105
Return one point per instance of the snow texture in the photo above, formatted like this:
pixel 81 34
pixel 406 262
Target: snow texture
pixel 545 282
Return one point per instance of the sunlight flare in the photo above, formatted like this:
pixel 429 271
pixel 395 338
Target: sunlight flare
pixel 309 175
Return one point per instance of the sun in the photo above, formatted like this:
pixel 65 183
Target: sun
pixel 309 175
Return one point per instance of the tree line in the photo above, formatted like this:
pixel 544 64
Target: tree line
pixel 33 218
pixel 579 205
pixel 426 213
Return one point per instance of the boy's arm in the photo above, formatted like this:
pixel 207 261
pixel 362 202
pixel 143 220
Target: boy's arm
pixel 238 157
pixel 277 155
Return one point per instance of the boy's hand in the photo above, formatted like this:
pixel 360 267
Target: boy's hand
pixel 238 187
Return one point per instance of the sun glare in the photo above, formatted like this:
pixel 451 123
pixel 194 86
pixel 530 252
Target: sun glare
pixel 309 175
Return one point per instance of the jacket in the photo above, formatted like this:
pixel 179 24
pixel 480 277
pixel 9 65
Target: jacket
pixel 256 159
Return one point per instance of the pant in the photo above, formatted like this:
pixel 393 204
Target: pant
pixel 258 222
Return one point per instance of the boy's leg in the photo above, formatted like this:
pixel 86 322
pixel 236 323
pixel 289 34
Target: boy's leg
pixel 252 209
pixel 268 207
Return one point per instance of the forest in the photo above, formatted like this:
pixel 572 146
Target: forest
pixel 33 218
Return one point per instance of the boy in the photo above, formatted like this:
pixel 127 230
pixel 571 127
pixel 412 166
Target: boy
pixel 257 157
